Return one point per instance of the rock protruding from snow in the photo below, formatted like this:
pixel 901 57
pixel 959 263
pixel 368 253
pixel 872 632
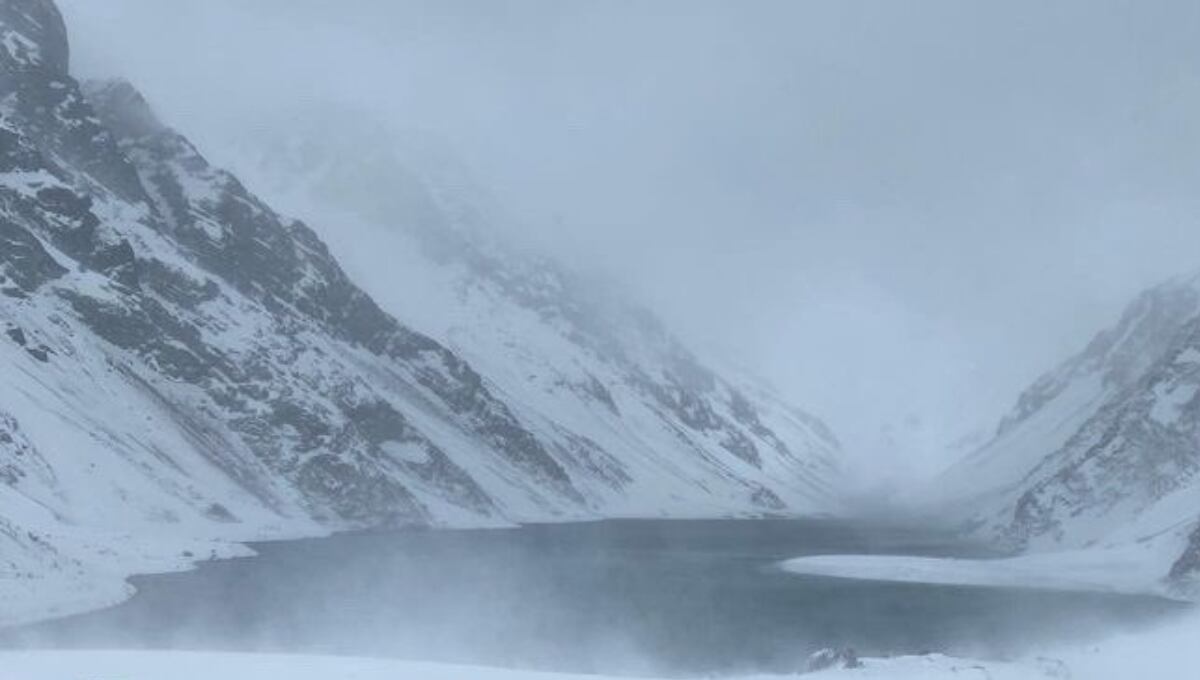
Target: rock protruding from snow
pixel 826 659
pixel 1187 567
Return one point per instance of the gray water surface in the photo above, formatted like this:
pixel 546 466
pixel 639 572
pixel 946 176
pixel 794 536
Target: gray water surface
pixel 638 596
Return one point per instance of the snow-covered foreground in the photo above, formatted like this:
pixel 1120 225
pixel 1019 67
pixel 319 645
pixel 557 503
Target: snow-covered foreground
pixel 1130 569
pixel 1164 653
pixel 117 665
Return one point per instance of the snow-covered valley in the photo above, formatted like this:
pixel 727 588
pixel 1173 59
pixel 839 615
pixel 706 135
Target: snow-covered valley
pixel 341 333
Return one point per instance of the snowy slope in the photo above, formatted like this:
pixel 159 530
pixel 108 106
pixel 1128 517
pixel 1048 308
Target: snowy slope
pixel 184 369
pixel 590 366
pixel 207 666
pixel 1104 451
pixel 1165 652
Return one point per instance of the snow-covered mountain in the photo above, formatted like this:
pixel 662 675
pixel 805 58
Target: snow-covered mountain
pixel 184 367
pixel 1105 449
pixel 558 347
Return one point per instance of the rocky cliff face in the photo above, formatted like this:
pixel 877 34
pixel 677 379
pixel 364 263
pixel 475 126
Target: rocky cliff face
pixel 184 364
pixel 1108 444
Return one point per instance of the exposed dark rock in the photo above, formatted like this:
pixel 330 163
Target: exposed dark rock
pixel 177 286
pixel 219 513
pixel 24 260
pixel 119 263
pixel 826 659
pixel 35 37
pixel 596 390
pixel 1188 564
pixel 18 458
pixel 765 498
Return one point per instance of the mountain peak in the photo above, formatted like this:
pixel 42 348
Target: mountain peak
pixel 33 37
pixel 122 107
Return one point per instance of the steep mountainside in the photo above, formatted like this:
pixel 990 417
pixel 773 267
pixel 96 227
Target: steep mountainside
pixel 559 348
pixel 1105 449
pixel 184 368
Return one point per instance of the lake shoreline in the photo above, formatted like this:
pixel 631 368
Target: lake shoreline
pixel 702 596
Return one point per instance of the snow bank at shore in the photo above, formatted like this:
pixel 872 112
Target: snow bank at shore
pixel 1165 653
pixel 1131 569
pixel 211 666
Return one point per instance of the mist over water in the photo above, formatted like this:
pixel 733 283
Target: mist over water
pixel 651 598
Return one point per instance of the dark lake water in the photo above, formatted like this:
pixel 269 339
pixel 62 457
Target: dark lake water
pixel 667 597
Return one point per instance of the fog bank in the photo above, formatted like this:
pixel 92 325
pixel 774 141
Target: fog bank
pixel 898 213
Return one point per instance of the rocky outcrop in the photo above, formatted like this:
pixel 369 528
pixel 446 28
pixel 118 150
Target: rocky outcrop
pixel 830 658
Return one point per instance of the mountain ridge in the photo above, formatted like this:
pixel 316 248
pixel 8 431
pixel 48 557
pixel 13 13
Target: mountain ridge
pixel 1105 449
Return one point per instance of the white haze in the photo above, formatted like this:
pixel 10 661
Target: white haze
pixel 900 213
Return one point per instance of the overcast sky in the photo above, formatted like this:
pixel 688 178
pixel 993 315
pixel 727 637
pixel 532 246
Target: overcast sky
pixel 901 213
